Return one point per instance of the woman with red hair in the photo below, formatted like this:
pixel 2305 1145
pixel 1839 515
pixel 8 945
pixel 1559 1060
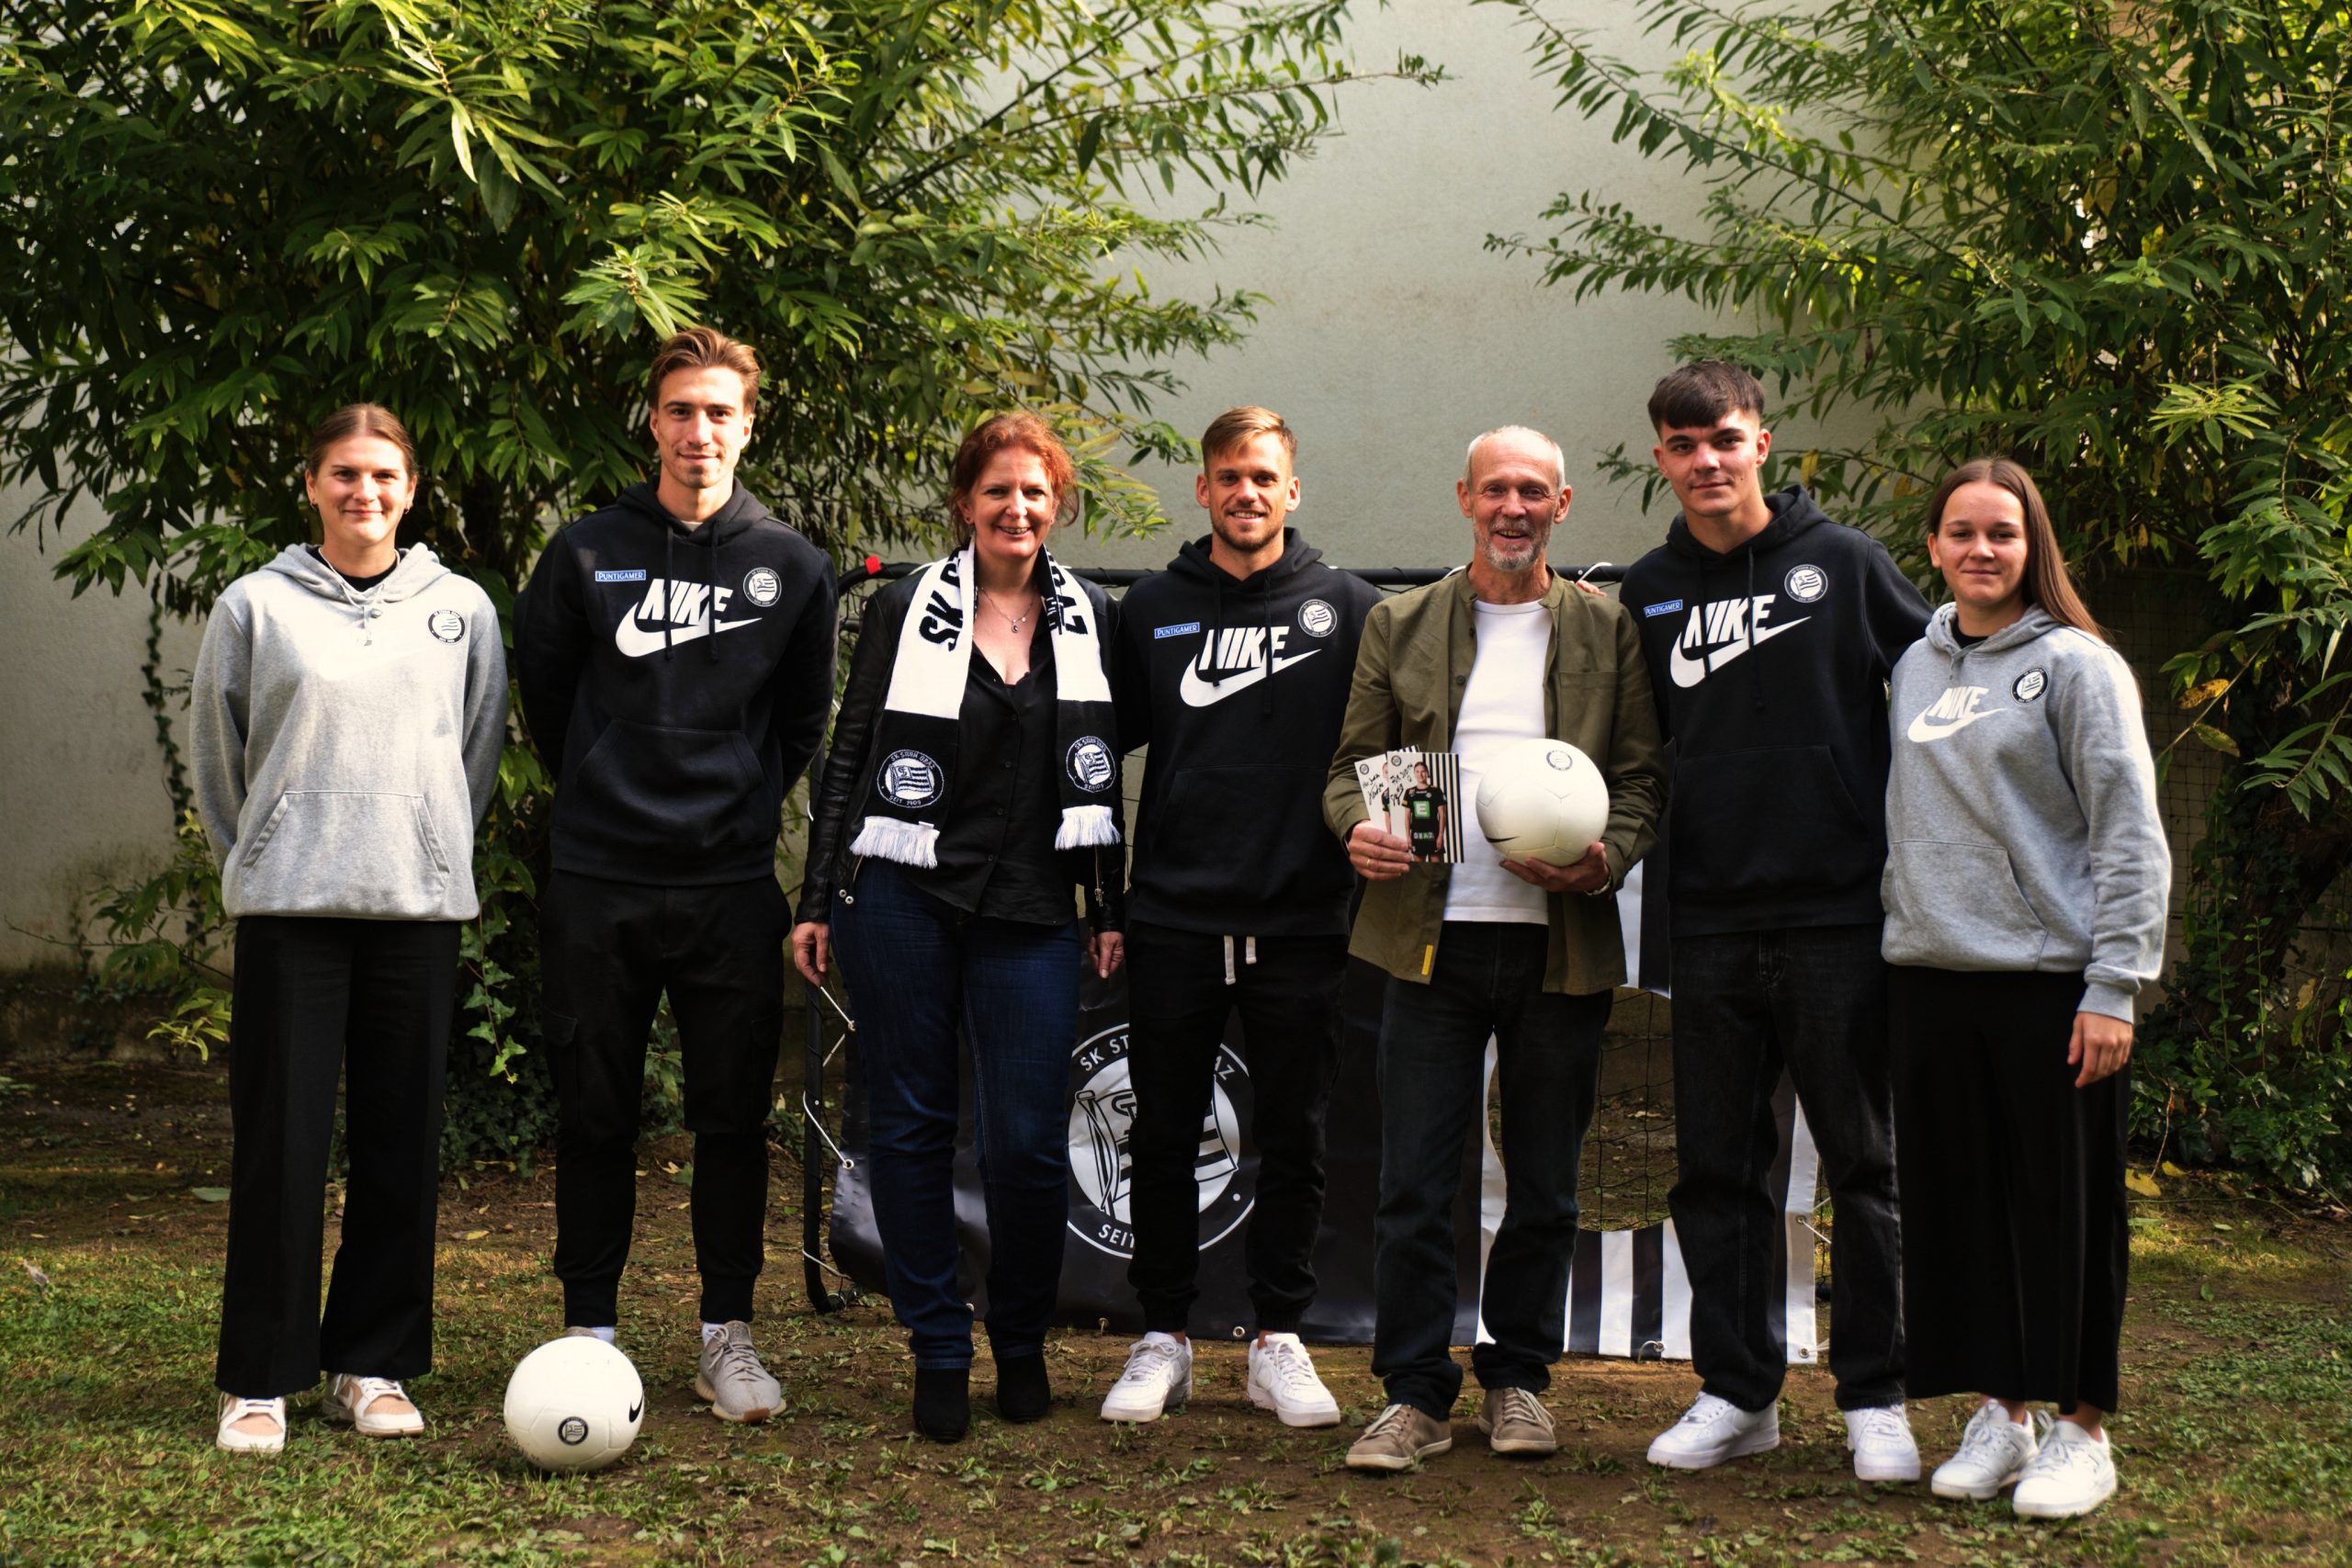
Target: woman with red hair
pixel 974 779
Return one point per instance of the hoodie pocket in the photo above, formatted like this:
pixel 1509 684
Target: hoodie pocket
pixel 1958 906
pixel 1773 820
pixel 642 787
pixel 363 852
pixel 1258 827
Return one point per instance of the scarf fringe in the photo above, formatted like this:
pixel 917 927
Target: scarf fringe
pixel 1085 827
pixel 908 843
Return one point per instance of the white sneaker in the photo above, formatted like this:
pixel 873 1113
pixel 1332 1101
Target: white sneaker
pixel 355 1399
pixel 238 1439
pixel 1713 1430
pixel 1993 1452
pixel 1880 1435
pixel 1282 1380
pixel 2073 1473
pixel 1158 1373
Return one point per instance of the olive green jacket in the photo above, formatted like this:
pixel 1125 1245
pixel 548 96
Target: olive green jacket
pixel 1410 670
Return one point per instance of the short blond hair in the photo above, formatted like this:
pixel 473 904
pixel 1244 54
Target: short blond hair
pixel 1236 426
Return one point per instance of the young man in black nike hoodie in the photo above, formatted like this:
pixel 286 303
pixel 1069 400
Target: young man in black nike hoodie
pixel 675 653
pixel 1233 667
pixel 1770 631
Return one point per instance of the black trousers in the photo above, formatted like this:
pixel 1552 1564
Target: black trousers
pixel 2015 1240
pixel 1811 1000
pixel 1178 1001
pixel 319 1000
pixel 1488 981
pixel 607 951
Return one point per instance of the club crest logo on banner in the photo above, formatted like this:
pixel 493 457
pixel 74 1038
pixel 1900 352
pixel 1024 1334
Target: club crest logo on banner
pixel 1101 1164
pixel 1628 1292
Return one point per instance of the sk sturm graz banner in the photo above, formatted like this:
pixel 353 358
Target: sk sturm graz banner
pixel 1627 1294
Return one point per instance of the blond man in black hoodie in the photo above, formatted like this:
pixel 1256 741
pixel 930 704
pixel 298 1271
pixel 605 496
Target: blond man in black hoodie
pixel 1232 666
pixel 675 651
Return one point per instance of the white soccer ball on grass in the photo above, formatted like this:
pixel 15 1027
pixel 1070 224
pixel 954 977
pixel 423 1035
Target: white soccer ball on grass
pixel 574 1404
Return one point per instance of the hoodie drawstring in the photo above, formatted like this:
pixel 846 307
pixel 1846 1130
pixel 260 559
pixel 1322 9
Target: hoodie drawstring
pixel 1266 618
pixel 1755 667
pixel 710 601
pixel 669 586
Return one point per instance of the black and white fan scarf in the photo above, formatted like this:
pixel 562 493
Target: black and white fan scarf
pixel 916 736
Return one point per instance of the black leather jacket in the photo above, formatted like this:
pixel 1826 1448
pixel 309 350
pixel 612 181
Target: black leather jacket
pixel 845 775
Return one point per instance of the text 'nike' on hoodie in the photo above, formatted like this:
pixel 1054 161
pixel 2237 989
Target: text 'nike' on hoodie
pixel 1769 665
pixel 2023 811
pixel 678 680
pixel 344 741
pixel 1238 686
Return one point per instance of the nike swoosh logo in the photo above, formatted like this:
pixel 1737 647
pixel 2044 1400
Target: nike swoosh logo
pixel 637 1410
pixel 1689 671
pixel 636 640
pixel 1925 728
pixel 1200 692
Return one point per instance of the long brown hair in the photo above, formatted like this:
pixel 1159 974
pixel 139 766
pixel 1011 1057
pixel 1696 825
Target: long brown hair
pixel 359 419
pixel 2047 581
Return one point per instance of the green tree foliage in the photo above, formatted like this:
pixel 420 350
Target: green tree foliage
pixel 2114 239
pixel 224 217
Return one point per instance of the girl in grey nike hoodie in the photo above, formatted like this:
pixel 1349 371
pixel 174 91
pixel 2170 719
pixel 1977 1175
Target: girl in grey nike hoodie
pixel 2025 892
pixel 348 708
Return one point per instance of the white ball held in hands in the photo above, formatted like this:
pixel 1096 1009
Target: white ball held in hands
pixel 1541 800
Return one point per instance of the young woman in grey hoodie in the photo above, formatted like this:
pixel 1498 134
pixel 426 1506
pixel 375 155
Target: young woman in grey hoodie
pixel 348 709
pixel 2025 896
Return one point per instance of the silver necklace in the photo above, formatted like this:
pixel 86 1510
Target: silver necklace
pixel 1014 622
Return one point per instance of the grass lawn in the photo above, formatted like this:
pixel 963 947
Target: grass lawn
pixel 2236 1447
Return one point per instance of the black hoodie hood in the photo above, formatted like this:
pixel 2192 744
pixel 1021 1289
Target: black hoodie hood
pixel 1237 686
pixel 1794 514
pixel 1194 561
pixel 1770 662
pixel 732 521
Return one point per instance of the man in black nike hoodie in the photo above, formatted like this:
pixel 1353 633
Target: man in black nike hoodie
pixel 1770 631
pixel 675 652
pixel 1233 667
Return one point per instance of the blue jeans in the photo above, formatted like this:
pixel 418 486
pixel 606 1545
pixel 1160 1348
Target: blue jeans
pixel 1811 1000
pixel 1488 979
pixel 918 970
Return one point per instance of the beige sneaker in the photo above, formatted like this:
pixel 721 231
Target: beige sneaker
pixel 251 1426
pixel 375 1407
pixel 729 1375
pixel 1515 1422
pixel 1399 1439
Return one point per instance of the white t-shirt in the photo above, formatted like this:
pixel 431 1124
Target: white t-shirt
pixel 1502 702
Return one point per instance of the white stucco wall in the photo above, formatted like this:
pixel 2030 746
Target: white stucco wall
pixel 1393 336
pixel 82 795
